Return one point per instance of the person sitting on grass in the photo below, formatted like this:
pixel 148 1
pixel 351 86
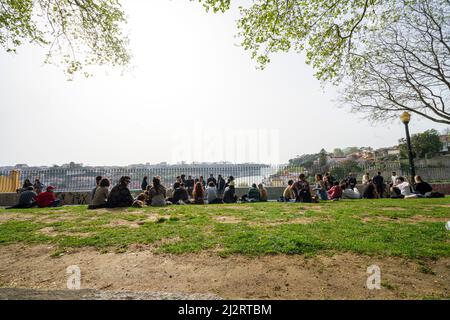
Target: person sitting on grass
pixel 157 194
pixel 38 186
pixel 141 200
pixel 348 192
pixel 198 195
pixel 229 195
pixel 253 194
pixel 288 193
pixel 120 196
pixel 263 192
pixel 47 198
pixel 101 195
pixel 302 190
pixel 335 192
pixel 97 184
pixel 320 188
pixel 421 187
pixel 405 188
pixel 211 194
pixel 27 199
pixel 27 183
pixel 180 195
pixel 370 190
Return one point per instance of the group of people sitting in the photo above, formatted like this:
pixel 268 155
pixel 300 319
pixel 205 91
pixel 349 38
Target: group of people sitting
pixel 214 191
pixel 326 188
pixel 184 191
pixel 31 196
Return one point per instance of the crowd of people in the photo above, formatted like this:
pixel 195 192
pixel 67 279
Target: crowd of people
pixel 32 195
pixel 189 190
pixel 185 190
pixel 327 188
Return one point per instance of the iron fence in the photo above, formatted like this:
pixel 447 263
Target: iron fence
pixel 83 179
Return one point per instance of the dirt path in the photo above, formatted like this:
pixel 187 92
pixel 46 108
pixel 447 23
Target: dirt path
pixel 342 276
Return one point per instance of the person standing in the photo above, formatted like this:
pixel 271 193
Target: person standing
pixel 220 186
pixel 144 183
pixel 211 179
pixel 394 178
pixel 189 184
pixel 366 178
pixel 351 181
pixel 378 180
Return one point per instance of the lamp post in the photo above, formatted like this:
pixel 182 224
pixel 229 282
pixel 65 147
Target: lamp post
pixel 405 117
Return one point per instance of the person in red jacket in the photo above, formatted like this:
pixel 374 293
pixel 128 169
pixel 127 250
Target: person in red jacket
pixel 47 199
pixel 335 192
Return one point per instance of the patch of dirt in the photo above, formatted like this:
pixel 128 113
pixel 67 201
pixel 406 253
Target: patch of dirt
pixel 227 219
pixel 135 223
pixel 51 232
pixel 392 209
pixel 413 219
pixel 314 208
pixel 300 220
pixel 7 216
pixel 339 276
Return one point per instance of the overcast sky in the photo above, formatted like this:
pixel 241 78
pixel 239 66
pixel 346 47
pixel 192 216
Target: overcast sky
pixel 193 95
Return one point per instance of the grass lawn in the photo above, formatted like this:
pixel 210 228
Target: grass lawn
pixel 407 228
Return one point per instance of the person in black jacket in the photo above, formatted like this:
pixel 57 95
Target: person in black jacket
pixel 179 193
pixel 120 195
pixel 211 179
pixel 220 186
pixel 421 186
pixel 189 184
pixel 144 183
pixel 351 181
pixel 378 181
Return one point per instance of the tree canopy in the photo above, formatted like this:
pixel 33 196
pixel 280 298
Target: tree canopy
pixel 404 67
pixel 425 143
pixel 327 31
pixel 391 55
pixel 76 33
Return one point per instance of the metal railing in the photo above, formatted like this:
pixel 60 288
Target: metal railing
pixel 83 179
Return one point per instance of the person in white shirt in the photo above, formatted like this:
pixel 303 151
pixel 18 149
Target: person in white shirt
pixel 365 178
pixel 405 188
pixel 211 193
pixel 350 193
pixel 394 179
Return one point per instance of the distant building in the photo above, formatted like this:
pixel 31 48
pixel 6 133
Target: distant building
pixel 445 139
pixel 387 152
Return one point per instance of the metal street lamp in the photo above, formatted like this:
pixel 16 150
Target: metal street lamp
pixel 405 117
